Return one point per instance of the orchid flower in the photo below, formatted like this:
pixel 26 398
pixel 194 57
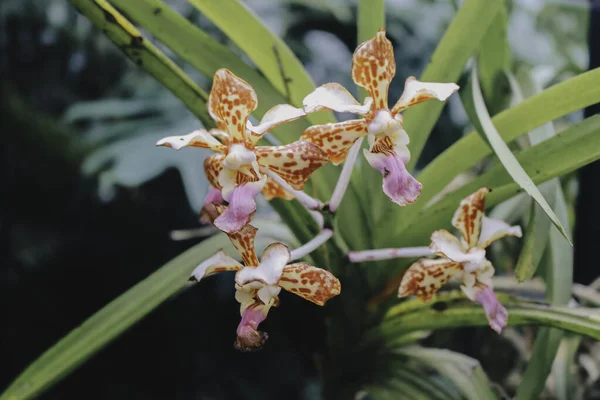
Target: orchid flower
pixel 258 283
pixel 240 169
pixel 373 67
pixel 463 259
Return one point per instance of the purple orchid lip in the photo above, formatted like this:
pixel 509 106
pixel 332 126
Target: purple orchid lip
pixel 249 338
pixel 398 184
pixel 241 207
pixel 495 312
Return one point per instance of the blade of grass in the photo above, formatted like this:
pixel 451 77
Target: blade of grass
pixel 143 53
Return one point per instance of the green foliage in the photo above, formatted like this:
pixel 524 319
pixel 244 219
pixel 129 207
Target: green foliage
pixel 380 334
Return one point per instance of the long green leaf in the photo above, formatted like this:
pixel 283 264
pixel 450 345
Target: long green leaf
pixel 110 321
pixel 554 102
pixel 465 372
pixel 458 44
pixel 270 54
pixel 506 157
pixel 120 314
pixel 204 53
pixel 573 320
pixel 123 34
pixel 571 149
pixel 559 279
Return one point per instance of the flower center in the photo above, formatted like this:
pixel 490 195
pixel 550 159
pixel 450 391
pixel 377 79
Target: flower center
pixel 238 157
pixel 385 124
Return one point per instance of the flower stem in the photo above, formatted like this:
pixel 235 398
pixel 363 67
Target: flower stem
pixel 311 245
pixel 387 254
pixel 344 179
pixel 309 202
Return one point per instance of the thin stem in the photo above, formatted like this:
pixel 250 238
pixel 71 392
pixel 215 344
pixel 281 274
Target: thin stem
pixel 309 202
pixel 344 179
pixel 387 254
pixel 311 245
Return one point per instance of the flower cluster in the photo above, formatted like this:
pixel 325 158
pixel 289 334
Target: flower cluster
pixel 240 170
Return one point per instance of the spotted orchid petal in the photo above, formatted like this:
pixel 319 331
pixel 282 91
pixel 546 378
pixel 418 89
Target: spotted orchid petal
pixel 294 162
pixel 446 245
pixel 213 165
pixel 199 138
pixel 241 205
pixel 373 67
pixel 249 338
pixel 243 241
pixel 276 116
pixel 426 276
pixel 336 139
pixel 217 263
pixel 231 101
pixel 416 92
pixel 494 229
pixel 398 184
pixel 274 190
pixel 209 212
pixel 311 283
pixel 222 136
pixel 269 270
pixel 494 311
pixel 468 216
pixel 333 96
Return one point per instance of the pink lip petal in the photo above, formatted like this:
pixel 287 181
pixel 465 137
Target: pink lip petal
pixel 209 212
pixel 398 184
pixel 249 338
pixel 241 206
pixel 495 312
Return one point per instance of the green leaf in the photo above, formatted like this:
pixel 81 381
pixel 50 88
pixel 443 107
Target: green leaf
pixel 270 54
pixel 123 34
pixel 581 321
pixel 559 279
pixel 494 55
pixel 459 42
pixel 204 53
pixel 465 372
pixel 507 158
pixel 576 146
pixel 562 372
pixel 554 102
pixel 117 316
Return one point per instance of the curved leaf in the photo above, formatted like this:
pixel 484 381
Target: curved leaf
pixel 123 34
pixel 270 54
pixel 458 44
pixel 506 157
pixel 202 51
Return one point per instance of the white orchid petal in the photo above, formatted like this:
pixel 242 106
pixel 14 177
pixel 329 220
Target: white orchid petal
pixel 494 229
pixel 276 116
pixel 445 244
pixel 217 263
pixel 334 96
pixel 199 138
pixel 416 92
pixel 274 259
